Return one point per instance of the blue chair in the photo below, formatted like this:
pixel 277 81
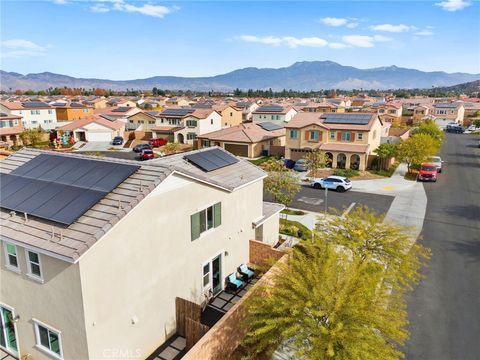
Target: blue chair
pixel 234 283
pixel 246 272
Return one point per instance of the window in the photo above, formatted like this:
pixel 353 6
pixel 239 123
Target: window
pixel 34 122
pixel 392 111
pixel 11 257
pixel 273 117
pixel 48 340
pixel 211 121
pixel 32 112
pixel 85 110
pixel 34 267
pixel 346 136
pixel 191 123
pixel 360 136
pixel 191 136
pixel 332 135
pixel 313 136
pixel 37 112
pixel 205 220
pixel 231 114
pixel 205 143
pixel 151 122
pixel 206 274
pixel 50 111
pixel 293 134
pixel 381 111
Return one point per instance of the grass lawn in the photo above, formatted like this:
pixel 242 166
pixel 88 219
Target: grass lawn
pixel 261 160
pixel 289 227
pixel 292 212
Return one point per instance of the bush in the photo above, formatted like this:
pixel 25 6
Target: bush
pixel 293 212
pixel 346 173
pixel 289 227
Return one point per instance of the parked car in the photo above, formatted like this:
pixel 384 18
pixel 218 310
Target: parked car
pixel 473 128
pixel 147 154
pixel 455 128
pixel 300 165
pixel 338 183
pixel 117 140
pixel 289 164
pixel 427 172
pixel 140 147
pixel 157 142
pixel 437 161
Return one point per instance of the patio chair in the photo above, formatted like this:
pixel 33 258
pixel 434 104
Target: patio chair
pixel 233 283
pixel 246 272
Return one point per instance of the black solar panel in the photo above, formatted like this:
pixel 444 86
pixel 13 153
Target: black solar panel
pixel 60 188
pixel 269 126
pixel 270 108
pixel 176 112
pixel 352 119
pixel 210 160
pixel 77 105
pixel 35 104
pixel 122 109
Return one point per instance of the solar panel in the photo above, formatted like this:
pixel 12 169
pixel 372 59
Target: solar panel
pixel 60 188
pixel 212 159
pixel 34 104
pixel 270 108
pixel 352 119
pixel 269 126
pixel 176 112
pixel 122 109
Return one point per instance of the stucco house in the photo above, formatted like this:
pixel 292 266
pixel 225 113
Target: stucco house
pixel 94 128
pixel 231 115
pixel 10 129
pixel 274 113
pixel 390 112
pixel 104 281
pixel 348 139
pixel 72 111
pixel 34 113
pixel 444 113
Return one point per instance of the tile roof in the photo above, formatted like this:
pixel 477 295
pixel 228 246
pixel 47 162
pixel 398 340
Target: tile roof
pixel 167 129
pixel 246 133
pixel 344 147
pixel 97 119
pixel 303 119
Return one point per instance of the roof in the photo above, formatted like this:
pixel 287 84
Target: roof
pixel 76 124
pixel 272 109
pixel 447 105
pixel 167 129
pixel 344 147
pixel 13 130
pixel 70 242
pixel 269 209
pixel 303 119
pixel 4 116
pixel 26 105
pixel 245 133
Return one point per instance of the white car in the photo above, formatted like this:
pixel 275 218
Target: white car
pixel 437 161
pixel 338 183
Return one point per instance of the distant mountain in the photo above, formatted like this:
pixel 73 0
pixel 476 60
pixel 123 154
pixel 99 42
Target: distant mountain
pixel 466 88
pixel 306 75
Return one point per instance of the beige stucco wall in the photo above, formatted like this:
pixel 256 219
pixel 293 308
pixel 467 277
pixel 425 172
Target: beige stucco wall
pixel 231 117
pixel 135 272
pixel 270 230
pixel 57 303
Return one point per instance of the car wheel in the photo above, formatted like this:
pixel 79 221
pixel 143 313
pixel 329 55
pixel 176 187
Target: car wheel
pixel 317 186
pixel 340 189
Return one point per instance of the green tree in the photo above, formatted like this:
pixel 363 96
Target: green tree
pixel 31 136
pixel 417 149
pixel 385 151
pixel 430 128
pixel 281 182
pixel 476 122
pixel 315 160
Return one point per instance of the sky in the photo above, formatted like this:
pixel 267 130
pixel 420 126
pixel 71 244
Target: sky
pixel 132 39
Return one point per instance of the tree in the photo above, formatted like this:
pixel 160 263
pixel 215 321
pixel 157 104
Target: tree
pixel 430 128
pixel 315 160
pixel 281 182
pixel 171 148
pixel 476 122
pixel 385 151
pixel 417 149
pixel 31 136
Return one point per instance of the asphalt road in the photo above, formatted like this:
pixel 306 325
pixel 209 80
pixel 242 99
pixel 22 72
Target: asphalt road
pixel 314 200
pixel 444 310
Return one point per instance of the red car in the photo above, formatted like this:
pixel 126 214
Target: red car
pixel 427 172
pixel 158 142
pixel 147 154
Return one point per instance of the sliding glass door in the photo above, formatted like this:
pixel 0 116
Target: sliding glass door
pixel 212 275
pixel 8 338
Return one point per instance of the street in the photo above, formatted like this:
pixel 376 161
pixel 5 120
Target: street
pixel 444 310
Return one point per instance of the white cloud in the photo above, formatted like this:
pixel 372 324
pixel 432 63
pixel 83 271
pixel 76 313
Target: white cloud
pixel 99 8
pixel 60 2
pixel 392 28
pixel 364 41
pixel 352 25
pixel 453 5
pixel 424 32
pixel 333 21
pixel 158 11
pixel 15 48
pixel 337 46
pixel 290 41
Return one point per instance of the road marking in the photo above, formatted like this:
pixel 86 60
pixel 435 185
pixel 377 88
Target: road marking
pixel 349 209
pixel 388 187
pixel 310 200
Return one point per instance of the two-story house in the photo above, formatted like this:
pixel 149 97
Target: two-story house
pixel 72 111
pixel 278 114
pixel 184 125
pixel 348 139
pixel 323 107
pixel 390 112
pixel 247 107
pixel 422 112
pixel 94 251
pixel 445 113
pixel 10 129
pixel 231 115
pixel 34 114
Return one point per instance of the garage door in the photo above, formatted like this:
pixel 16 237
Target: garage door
pixel 235 149
pixel 99 136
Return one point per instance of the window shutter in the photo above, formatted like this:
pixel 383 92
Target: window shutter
pixel 320 135
pixel 339 136
pixel 195 225
pixel 217 214
pixel 307 135
pixel 352 136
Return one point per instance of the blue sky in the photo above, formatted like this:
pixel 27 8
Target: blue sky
pixel 128 39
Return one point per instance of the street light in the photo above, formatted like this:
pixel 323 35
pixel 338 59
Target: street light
pixel 326 200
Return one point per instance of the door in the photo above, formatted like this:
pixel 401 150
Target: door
pixel 212 275
pixel 100 136
pixel 8 338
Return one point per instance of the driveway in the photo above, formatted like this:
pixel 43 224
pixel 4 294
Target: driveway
pixel 99 146
pixel 444 310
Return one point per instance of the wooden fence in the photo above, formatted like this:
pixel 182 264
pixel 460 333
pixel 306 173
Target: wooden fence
pixel 194 331
pixel 185 309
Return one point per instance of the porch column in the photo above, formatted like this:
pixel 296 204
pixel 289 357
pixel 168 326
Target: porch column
pixel 347 163
pixel 334 160
pixel 363 162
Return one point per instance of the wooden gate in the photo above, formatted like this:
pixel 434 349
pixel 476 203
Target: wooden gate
pixel 194 331
pixel 186 309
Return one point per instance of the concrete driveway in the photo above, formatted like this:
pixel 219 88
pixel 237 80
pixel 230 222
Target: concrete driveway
pixel 99 146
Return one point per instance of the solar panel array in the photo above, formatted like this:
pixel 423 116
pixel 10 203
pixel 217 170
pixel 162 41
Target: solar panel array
pixel 35 104
pixel 60 188
pixel 210 160
pixel 269 126
pixel 270 108
pixel 352 119
pixel 122 109
pixel 177 112
pixel 76 105
pixel 445 106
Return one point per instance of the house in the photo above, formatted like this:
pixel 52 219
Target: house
pixel 141 121
pixel 471 109
pixel 231 115
pixel 444 113
pixel 247 140
pixel 422 112
pixel 121 102
pixel 390 112
pixel 117 112
pixel 348 139
pixel 323 107
pixel 72 111
pixel 97 103
pixel 395 135
pixel 184 125
pixel 94 128
pixel 34 113
pixel 248 107
pixel 94 274
pixel 10 129
pixel 177 101
pixel 275 113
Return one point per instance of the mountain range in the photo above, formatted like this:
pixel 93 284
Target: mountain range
pixel 303 76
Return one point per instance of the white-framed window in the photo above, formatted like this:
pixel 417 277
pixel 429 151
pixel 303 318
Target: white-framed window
pixel 360 136
pixel 206 219
pixel 32 112
pixel 34 122
pixel 332 135
pixel 205 143
pixel 211 121
pixel 85 110
pixel 206 275
pixel 50 111
pixel 37 112
pixel 191 136
pixel 191 123
pixel 11 257
pixel 34 265
pixel 313 135
pixel 151 122
pixel 346 136
pixel 381 111
pixel 48 339
pixel 293 134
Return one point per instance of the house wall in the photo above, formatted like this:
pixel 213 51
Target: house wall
pixel 47 118
pixel 131 277
pixel 57 303
pixel 69 114
pixel 270 230
pixel 211 123
pixel 231 117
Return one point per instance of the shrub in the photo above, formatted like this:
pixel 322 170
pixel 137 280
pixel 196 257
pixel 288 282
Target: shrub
pixel 346 173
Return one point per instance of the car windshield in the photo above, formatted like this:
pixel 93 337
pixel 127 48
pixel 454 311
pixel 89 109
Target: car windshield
pixel 428 168
pixel 347 180
pixel 435 159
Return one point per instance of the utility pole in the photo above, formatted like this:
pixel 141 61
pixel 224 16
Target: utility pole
pixel 326 201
